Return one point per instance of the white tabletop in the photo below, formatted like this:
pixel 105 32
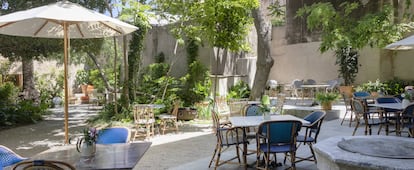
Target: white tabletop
pixel 397 106
pixel 252 121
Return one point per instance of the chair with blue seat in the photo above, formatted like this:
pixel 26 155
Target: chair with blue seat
pixel 407 120
pixel 360 94
pixel 227 137
pixel 369 117
pixel 311 134
pixel 390 115
pixel 8 157
pixel 113 135
pixel 277 137
pixel 252 110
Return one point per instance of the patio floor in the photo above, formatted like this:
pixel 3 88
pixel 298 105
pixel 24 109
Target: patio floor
pixel 191 148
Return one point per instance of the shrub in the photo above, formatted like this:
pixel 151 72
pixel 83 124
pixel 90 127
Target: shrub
pixel 396 85
pixel 239 90
pixel 14 111
pixel 376 86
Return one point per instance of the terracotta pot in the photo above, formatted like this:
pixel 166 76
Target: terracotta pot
pixel 346 90
pixel 89 89
pixel 326 105
pixel 84 88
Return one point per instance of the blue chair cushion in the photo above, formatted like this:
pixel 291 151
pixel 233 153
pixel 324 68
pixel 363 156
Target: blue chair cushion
pixel 277 148
pixel 112 135
pixel 301 138
pixel 8 157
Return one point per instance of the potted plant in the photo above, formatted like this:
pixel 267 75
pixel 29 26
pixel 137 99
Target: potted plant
pixel 326 99
pixel 375 88
pixel 82 78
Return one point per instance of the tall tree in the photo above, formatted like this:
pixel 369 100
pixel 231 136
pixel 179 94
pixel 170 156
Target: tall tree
pixel 223 24
pixel 264 38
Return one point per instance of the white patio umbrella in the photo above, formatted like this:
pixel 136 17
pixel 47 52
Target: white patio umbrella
pixel 404 44
pixel 63 20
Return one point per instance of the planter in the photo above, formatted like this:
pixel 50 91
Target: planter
pixel 84 99
pixel 346 90
pixel 84 88
pixel 186 113
pixel 89 89
pixel 326 105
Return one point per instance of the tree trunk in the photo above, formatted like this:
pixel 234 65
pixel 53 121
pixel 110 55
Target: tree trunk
pixel 264 59
pixel 29 90
pixel 104 78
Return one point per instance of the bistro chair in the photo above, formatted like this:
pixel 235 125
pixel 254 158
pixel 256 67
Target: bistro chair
pixel 277 137
pixel 144 121
pixel 370 117
pixel 113 135
pixel 333 85
pixel 170 120
pixel 297 88
pixel 312 130
pixel 360 94
pixel 226 137
pixel 8 157
pixel 236 106
pixel 348 108
pixel 252 110
pixel 407 120
pixel 391 116
pixel 43 165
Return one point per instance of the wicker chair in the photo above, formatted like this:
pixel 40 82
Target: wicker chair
pixel 370 117
pixel 170 120
pixel 226 138
pixel 43 165
pixel 144 121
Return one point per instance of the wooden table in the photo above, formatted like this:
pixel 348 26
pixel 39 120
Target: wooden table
pixel 254 121
pixel 112 156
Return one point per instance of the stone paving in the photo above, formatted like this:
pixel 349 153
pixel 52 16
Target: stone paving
pixel 191 148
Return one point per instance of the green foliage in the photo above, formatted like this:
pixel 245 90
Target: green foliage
pixel 396 85
pixel 135 12
pixel 347 59
pixel 8 94
pixel 376 86
pixel 278 13
pixel 50 85
pixel 195 84
pixel 96 80
pixel 14 111
pixel 326 97
pixel 152 85
pixel 341 30
pixel 82 77
pixel 222 23
pixel 239 90
pixel 107 114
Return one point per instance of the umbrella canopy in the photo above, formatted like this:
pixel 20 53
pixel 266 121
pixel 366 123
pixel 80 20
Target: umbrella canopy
pixel 404 44
pixel 63 20
pixel 48 22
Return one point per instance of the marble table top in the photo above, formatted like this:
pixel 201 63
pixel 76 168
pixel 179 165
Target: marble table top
pixel 111 156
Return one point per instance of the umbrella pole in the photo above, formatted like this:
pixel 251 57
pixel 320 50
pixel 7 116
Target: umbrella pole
pixel 65 61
